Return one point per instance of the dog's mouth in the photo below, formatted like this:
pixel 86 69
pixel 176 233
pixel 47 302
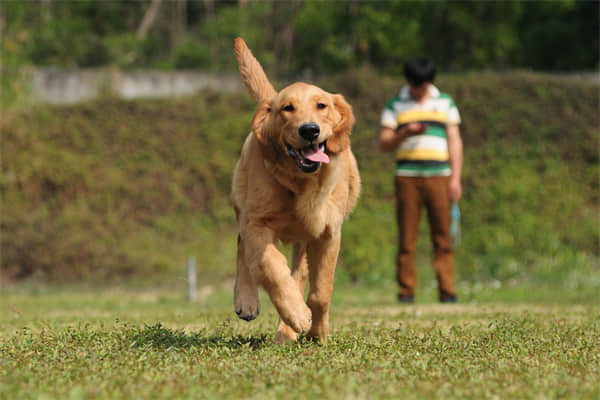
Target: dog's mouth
pixel 310 157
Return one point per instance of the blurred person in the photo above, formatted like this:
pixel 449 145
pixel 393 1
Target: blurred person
pixel 422 125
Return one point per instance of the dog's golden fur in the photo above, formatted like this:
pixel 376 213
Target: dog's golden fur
pixel 280 193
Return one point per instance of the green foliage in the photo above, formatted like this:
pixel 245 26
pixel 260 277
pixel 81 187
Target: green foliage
pixel 126 50
pixel 303 37
pixel 150 344
pixel 189 54
pixel 228 23
pixel 328 50
pixel 567 21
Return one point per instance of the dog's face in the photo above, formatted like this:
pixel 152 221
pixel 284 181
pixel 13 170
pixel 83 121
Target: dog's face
pixel 304 124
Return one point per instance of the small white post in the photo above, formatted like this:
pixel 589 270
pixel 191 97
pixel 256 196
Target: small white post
pixel 191 274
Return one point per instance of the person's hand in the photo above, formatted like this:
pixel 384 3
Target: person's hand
pixel 415 128
pixel 454 189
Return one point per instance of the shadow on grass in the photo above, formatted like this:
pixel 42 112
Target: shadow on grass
pixel 158 336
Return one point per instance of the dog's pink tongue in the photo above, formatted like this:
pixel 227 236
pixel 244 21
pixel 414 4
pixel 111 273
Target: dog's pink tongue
pixel 315 154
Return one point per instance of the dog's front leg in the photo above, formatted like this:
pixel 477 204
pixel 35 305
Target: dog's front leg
pixel 268 268
pixel 322 260
pixel 285 334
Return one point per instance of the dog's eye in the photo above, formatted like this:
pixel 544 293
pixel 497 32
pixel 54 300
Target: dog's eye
pixel 289 107
pixel 321 106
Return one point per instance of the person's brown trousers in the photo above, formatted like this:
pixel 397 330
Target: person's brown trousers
pixel 412 193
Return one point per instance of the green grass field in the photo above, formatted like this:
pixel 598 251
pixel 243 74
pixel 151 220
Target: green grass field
pixel 124 343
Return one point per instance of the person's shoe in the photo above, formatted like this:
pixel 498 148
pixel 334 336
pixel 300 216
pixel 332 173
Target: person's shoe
pixel 448 299
pixel 406 299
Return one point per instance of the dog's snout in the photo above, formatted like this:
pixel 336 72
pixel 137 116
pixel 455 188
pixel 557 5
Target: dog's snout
pixel 309 131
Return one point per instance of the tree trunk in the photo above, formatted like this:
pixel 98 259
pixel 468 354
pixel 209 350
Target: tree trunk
pixel 149 18
pixel 178 22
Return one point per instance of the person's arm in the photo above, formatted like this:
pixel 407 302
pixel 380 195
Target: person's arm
pixel 455 149
pixel 390 139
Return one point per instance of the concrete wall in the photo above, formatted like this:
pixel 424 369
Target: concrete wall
pixel 57 86
pixel 71 86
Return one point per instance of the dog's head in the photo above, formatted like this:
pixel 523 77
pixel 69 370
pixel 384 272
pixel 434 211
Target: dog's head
pixel 305 124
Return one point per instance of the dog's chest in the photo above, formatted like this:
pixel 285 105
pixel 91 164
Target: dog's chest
pixel 304 224
pixel 311 208
pixel 317 209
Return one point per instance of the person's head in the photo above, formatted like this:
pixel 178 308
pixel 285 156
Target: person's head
pixel 419 72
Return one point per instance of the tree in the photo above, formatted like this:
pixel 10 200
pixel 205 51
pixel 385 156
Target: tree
pixel 149 18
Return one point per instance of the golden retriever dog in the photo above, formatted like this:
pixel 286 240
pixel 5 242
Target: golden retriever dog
pixel 295 182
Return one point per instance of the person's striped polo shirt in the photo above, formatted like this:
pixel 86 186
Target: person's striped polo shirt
pixel 425 154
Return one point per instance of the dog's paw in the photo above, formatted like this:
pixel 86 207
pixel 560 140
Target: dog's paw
pixel 247 314
pixel 246 303
pixel 285 334
pixel 299 319
pixel 285 337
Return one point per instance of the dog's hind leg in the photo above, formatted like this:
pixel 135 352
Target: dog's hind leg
pixel 245 292
pixel 284 333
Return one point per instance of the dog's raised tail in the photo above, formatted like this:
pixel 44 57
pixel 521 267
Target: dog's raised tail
pixel 253 75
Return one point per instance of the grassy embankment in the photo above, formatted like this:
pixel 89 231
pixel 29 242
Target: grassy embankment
pixel 112 189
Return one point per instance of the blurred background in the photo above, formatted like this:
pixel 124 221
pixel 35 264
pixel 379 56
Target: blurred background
pixel 122 121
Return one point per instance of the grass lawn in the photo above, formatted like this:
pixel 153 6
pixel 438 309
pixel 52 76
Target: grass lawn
pixel 125 343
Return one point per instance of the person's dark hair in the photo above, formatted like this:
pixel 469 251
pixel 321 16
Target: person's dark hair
pixel 418 70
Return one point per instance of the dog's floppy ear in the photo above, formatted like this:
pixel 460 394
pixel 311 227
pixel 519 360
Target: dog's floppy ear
pixel 259 130
pixel 263 110
pixel 340 140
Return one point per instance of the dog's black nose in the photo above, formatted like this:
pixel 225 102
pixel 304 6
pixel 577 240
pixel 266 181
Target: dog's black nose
pixel 309 131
